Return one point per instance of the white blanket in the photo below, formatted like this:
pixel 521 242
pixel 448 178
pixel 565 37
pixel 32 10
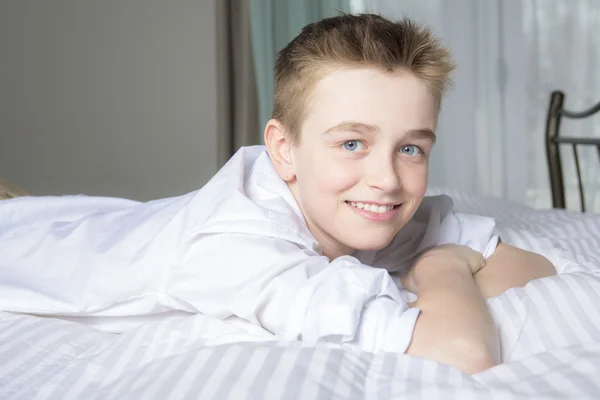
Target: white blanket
pixel 549 330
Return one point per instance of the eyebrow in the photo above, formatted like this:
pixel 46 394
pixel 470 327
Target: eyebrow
pixel 362 128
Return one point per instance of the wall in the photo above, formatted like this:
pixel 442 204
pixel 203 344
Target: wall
pixel 113 98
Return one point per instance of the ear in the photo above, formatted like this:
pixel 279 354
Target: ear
pixel 279 147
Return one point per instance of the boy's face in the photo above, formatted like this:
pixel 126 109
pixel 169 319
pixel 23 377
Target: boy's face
pixel 359 172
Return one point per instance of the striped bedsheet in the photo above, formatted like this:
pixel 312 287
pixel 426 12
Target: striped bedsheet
pixel 550 337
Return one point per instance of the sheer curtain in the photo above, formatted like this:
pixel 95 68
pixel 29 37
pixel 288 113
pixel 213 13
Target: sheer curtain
pixel 563 43
pixel 481 134
pixel 511 55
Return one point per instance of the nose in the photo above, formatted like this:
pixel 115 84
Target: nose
pixel 382 173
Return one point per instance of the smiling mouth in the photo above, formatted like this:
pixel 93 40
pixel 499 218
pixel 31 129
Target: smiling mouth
pixel 374 208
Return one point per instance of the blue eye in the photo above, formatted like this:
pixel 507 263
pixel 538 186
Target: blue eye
pixel 411 150
pixel 352 145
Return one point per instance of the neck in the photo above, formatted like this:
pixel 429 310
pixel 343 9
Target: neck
pixel 331 248
pixel 332 254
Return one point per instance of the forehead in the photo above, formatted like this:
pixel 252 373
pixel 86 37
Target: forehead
pixel 395 100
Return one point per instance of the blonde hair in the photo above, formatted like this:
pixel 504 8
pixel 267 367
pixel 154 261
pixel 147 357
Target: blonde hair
pixel 364 40
pixel 9 190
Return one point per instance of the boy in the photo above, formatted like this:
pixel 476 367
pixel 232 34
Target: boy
pixel 297 237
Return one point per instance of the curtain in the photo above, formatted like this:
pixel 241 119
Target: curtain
pixel 511 55
pixel 482 120
pixel 275 23
pixel 237 92
pixel 563 43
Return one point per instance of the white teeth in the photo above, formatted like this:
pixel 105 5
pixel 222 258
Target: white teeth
pixel 371 207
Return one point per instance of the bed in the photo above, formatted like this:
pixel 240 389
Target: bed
pixel 555 141
pixel 550 337
pixel 549 332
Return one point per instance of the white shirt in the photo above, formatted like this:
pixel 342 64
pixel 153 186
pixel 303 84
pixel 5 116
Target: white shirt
pixel 238 247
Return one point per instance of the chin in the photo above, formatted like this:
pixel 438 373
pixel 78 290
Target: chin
pixel 373 244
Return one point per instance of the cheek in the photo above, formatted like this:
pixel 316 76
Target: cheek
pixel 414 181
pixel 323 180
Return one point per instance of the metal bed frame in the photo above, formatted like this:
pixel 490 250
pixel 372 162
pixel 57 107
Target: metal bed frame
pixel 556 112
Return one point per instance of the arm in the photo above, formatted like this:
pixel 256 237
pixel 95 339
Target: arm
pixel 293 293
pixel 511 267
pixel 454 326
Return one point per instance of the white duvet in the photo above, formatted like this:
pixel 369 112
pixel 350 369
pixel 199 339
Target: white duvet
pixel 549 330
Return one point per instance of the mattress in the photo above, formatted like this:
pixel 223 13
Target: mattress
pixel 549 331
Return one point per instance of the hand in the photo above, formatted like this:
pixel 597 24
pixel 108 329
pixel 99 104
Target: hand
pixel 444 256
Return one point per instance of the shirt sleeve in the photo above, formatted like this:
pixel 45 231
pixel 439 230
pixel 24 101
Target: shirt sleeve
pixel 292 292
pixel 475 231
